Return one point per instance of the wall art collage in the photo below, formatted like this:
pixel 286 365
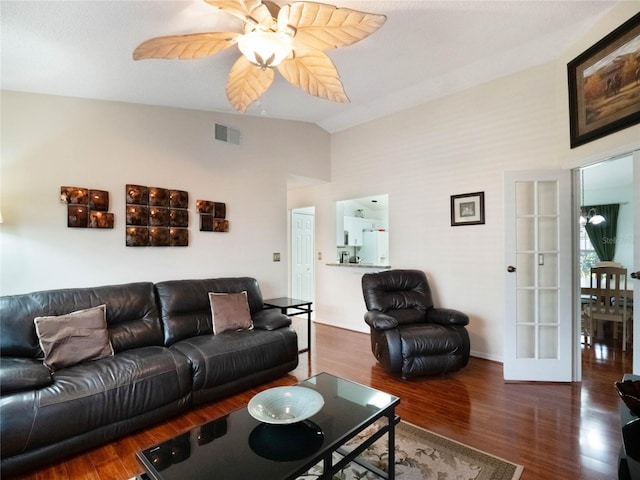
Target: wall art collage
pixel 86 208
pixel 155 217
pixel 212 216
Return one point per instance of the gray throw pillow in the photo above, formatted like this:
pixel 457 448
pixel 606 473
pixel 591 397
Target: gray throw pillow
pixel 73 338
pixel 230 311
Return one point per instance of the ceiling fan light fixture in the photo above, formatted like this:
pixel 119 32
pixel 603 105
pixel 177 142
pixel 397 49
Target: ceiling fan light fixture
pixel 265 49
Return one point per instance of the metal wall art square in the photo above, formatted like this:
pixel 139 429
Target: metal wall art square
pixel 86 208
pixel 212 216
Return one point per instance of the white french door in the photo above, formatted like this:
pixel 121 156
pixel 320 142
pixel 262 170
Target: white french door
pixel 538 276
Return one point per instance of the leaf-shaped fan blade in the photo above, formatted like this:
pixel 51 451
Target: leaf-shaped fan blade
pixel 246 83
pixel 237 8
pixel 245 8
pixel 314 72
pixel 323 26
pixel 196 45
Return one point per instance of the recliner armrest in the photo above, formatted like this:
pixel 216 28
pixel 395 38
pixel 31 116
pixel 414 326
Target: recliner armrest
pixel 380 321
pixel 270 319
pixel 447 316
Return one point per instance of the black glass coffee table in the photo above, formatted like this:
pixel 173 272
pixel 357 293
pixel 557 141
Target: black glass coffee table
pixel 239 446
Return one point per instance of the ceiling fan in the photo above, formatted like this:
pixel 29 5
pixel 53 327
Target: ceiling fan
pixel 291 38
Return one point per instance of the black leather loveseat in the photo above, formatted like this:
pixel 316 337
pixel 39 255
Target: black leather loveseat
pixel 165 360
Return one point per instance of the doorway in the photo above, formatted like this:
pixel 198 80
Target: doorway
pixel 302 248
pixel 605 187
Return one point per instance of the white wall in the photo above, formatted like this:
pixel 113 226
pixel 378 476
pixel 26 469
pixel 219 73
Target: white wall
pixel 459 144
pixel 48 142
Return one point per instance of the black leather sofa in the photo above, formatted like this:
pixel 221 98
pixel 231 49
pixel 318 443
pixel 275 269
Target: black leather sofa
pixel 166 360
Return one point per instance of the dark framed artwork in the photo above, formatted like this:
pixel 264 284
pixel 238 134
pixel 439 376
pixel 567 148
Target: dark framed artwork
pixel 467 209
pixel 604 85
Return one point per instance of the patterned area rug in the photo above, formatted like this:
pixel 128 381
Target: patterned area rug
pixel 424 455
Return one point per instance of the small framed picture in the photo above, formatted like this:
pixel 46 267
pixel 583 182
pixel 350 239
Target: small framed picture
pixel 467 209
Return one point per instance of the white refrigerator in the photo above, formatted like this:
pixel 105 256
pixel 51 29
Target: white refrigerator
pixel 375 248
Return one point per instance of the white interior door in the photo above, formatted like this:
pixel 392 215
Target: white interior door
pixel 302 236
pixel 538 276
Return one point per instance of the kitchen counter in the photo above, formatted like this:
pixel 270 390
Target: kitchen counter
pixel 357 265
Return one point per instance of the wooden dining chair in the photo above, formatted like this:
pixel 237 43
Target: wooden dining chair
pixel 608 301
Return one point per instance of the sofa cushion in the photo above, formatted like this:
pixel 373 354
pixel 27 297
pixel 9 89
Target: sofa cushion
pixel 88 396
pixel 18 373
pixel 73 338
pixel 132 316
pixel 219 359
pixel 185 309
pixel 230 311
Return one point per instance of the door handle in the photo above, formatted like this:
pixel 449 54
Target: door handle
pixel 635 275
pixel 511 269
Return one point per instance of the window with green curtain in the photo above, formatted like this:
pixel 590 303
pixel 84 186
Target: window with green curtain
pixel 603 235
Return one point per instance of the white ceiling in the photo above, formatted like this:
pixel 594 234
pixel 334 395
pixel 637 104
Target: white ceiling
pixel 426 49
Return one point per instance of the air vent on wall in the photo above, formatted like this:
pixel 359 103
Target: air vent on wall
pixel 227 134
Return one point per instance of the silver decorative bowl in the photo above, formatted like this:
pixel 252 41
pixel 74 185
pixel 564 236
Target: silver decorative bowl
pixel 285 405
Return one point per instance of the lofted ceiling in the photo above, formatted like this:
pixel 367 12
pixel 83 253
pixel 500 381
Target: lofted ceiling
pixel 425 50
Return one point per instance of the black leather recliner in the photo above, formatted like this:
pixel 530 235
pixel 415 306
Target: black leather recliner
pixel 408 335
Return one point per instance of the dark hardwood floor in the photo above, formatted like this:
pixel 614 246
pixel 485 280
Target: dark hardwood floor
pixel 557 431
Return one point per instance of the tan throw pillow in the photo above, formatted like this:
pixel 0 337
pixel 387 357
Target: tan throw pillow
pixel 230 311
pixel 74 337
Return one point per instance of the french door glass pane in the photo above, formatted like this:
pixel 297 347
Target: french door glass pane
pixel 548 234
pixel 525 204
pixel 526 341
pixel 548 342
pixel 547 198
pixel 526 306
pixel 548 301
pixel 548 272
pixel 525 234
